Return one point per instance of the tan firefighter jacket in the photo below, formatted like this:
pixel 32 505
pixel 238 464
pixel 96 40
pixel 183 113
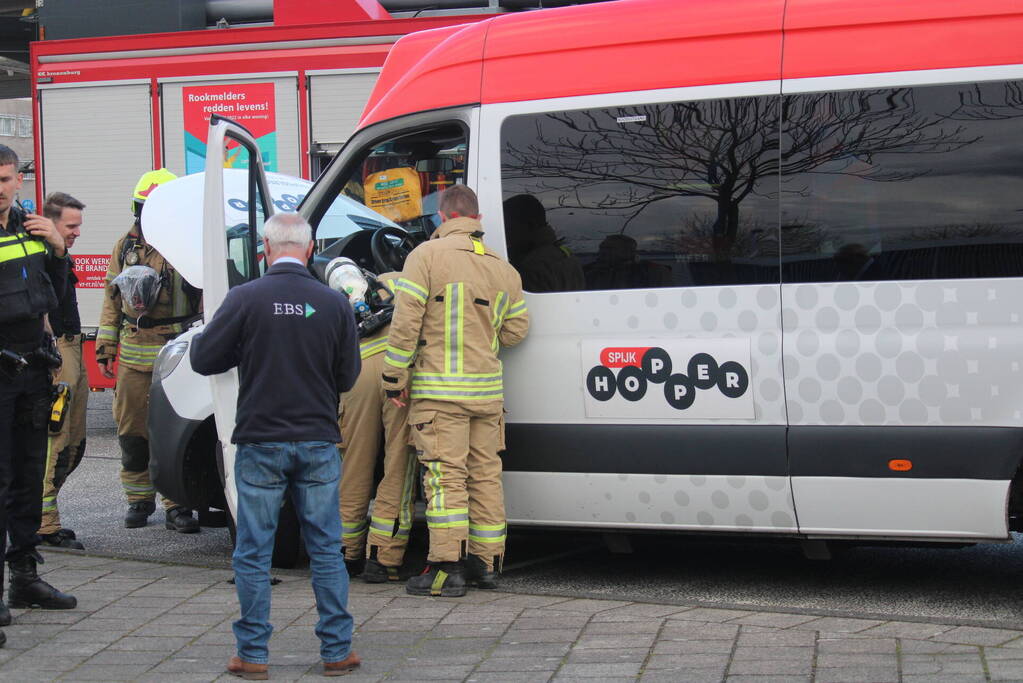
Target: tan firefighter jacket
pixel 457 303
pixel 136 341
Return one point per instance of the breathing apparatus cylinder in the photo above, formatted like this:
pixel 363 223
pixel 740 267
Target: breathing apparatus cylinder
pixel 344 275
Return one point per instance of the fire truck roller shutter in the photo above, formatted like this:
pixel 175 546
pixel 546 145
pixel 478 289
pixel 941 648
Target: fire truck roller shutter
pixel 284 116
pixel 336 101
pixel 97 140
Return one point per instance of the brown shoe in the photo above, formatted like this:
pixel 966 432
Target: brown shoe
pixel 345 666
pixel 250 671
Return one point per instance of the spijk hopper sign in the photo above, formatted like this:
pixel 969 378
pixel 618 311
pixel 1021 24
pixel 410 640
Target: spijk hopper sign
pixel 250 104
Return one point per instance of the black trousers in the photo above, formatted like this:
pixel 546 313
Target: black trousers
pixel 24 413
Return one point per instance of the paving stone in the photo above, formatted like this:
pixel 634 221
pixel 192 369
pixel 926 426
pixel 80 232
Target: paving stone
pixel 687 675
pixel 772 667
pixel 768 679
pixel 839 625
pixel 468 630
pixel 762 653
pixel 531 650
pixel 689 630
pixel 430 673
pixel 1004 670
pixel 775 638
pixel 931 678
pixel 559 622
pixel 509 677
pixel 693 647
pixel 595 628
pixel 540 635
pixel 705 661
pixel 907 646
pixel 107 673
pixel 638 612
pixel 590 606
pixel 946 664
pixel 520 664
pixel 709 614
pixel 857 675
pixel 644 640
pixel 623 669
pixel 773 619
pixel 974 635
pixel 638 654
pixel 905 629
pixel 857 646
pixel 829 661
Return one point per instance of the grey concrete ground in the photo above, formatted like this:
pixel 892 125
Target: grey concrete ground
pixel 140 621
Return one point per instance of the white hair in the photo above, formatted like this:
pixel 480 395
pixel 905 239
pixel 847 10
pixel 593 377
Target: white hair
pixel 287 228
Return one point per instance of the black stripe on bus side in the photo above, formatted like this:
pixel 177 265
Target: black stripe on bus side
pixel 935 452
pixel 757 450
pixel 646 449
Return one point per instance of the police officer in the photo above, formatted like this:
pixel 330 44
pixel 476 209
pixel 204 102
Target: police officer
pixel 457 303
pixel 134 340
pixel 65 448
pixel 32 256
pixel 366 415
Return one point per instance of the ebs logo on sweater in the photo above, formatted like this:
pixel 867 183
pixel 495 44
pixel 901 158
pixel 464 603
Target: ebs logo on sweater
pixel 658 378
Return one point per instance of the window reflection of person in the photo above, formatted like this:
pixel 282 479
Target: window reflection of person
pixel 853 261
pixel 543 261
pixel 618 267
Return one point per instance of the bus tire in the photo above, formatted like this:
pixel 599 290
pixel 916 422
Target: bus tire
pixel 289 549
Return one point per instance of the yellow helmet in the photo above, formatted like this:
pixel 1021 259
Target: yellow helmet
pixel 145 185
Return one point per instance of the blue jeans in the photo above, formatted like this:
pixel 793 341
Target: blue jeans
pixel 264 472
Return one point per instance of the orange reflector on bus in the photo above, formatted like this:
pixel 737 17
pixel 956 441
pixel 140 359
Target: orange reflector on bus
pixel 900 465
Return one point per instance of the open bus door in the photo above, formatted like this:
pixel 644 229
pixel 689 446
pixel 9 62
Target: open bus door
pixel 232 256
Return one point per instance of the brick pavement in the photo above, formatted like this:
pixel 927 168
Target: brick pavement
pixel 140 621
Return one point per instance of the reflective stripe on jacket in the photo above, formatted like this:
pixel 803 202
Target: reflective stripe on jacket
pixel 457 303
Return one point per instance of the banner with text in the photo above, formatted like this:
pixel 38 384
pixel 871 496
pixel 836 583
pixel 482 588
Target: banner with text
pixel 91 270
pixel 250 104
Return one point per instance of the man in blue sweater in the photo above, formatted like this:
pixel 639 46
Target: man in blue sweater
pixel 296 347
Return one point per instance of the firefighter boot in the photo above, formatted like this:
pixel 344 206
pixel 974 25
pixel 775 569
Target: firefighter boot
pixel 62 538
pixel 28 590
pixel 444 579
pixel 5 614
pixel 138 513
pixel 378 573
pixel 477 574
pixel 181 519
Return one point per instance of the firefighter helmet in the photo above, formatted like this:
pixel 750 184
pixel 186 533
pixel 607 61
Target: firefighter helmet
pixel 146 184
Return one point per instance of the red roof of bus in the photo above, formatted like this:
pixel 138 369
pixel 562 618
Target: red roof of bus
pixel 650 44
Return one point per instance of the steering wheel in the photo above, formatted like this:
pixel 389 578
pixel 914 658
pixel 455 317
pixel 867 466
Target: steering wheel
pixel 390 246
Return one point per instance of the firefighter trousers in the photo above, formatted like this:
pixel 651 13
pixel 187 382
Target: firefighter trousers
pixel 367 415
pixel 458 447
pixel 65 449
pixel 131 413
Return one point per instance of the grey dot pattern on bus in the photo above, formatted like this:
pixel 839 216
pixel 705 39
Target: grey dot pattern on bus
pixel 906 353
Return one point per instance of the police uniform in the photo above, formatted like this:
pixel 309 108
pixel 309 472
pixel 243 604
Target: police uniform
pixel 65 448
pixel 31 278
pixel 366 414
pixel 135 342
pixel 457 303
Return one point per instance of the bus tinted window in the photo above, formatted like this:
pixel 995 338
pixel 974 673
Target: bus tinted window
pixel 903 183
pixel 660 195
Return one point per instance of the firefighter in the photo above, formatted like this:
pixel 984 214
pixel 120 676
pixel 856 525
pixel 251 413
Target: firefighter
pixel 457 303
pixel 66 447
pixel 32 256
pixel 132 329
pixel 366 414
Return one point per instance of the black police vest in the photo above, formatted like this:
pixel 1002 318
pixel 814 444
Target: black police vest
pixel 26 292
